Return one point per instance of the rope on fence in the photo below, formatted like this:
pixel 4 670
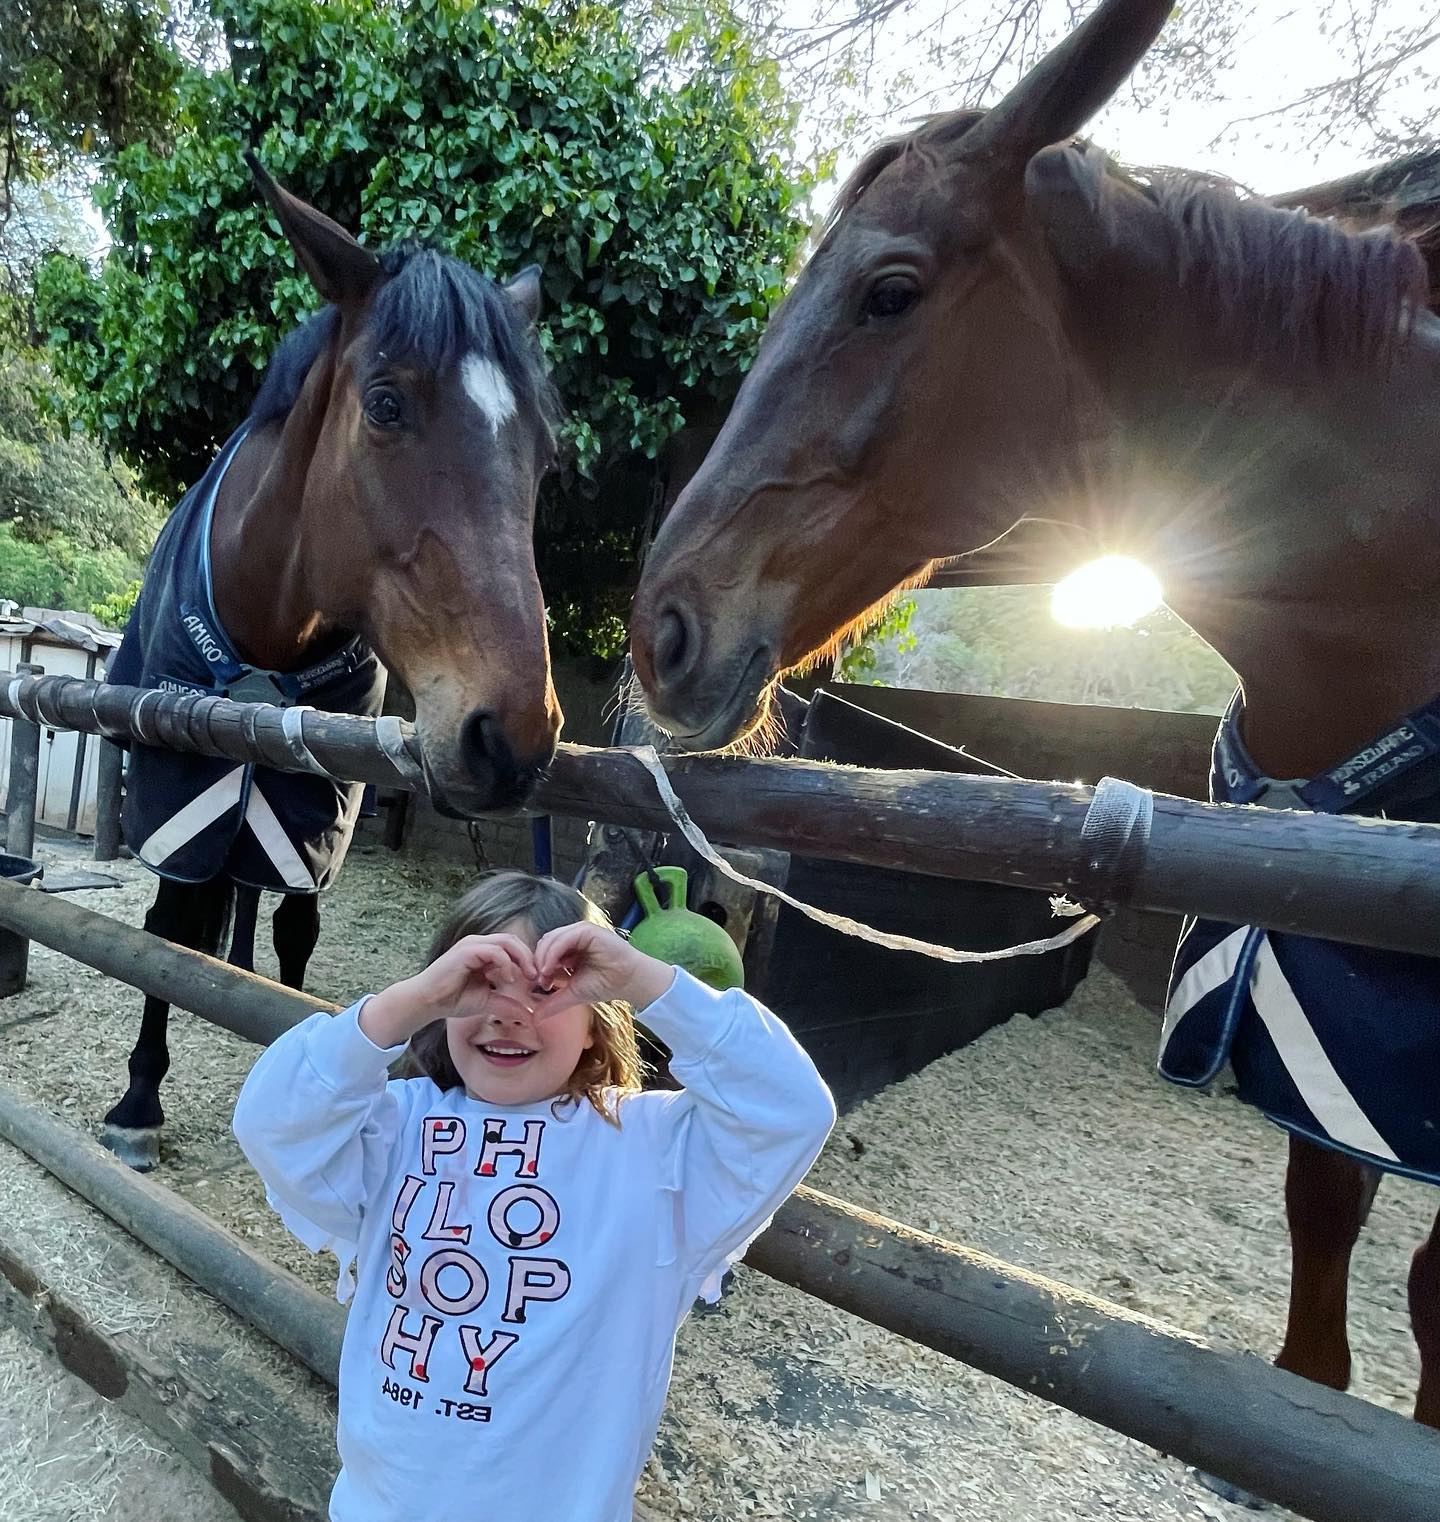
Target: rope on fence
pixel 1367 882
pixel 648 758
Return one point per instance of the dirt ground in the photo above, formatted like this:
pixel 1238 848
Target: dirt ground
pixel 69 1455
pixel 1048 1142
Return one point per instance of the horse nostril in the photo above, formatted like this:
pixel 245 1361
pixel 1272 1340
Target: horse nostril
pixel 478 736
pixel 677 643
pixel 496 777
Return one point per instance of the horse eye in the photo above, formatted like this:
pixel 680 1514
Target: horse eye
pixel 382 407
pixel 890 296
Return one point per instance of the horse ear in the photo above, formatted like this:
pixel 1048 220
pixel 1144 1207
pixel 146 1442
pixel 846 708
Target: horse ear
pixel 1066 88
pixel 1063 194
pixel 1109 241
pixel 524 291
pixel 338 267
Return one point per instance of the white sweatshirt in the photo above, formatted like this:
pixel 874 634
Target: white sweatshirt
pixel 521 1272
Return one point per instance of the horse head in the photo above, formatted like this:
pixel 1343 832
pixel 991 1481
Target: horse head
pixel 414 443
pixel 909 398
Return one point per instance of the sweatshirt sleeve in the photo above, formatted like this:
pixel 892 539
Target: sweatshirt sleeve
pixel 318 1122
pixel 748 1125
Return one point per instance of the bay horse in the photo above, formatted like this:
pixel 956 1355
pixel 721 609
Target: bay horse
pixel 376 506
pixel 999 323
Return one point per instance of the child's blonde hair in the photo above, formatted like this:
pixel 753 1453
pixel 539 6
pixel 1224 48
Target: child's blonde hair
pixel 610 1067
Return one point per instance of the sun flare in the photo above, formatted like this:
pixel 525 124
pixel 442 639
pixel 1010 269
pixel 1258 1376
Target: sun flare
pixel 1106 593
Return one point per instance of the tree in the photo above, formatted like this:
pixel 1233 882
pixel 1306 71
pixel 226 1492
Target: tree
pixel 55 481
pixel 74 526
pixel 654 187
pixel 1373 83
pixel 82 76
pixel 1003 642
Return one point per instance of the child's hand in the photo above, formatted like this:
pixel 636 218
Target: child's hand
pixel 588 964
pixel 466 980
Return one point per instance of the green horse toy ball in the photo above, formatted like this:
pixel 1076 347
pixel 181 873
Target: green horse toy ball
pixel 685 939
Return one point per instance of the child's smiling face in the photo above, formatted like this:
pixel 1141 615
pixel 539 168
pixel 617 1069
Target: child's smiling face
pixel 525 1045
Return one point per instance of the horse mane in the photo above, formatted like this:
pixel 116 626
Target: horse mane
pixel 934 130
pixel 1282 283
pixel 432 307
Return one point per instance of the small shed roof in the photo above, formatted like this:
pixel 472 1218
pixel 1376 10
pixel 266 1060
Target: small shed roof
pixel 51 626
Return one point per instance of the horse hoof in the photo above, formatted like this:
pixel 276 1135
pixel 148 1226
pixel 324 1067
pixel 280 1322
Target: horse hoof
pixel 1228 1492
pixel 136 1147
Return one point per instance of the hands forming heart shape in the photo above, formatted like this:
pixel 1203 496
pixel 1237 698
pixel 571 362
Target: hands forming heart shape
pixel 577 964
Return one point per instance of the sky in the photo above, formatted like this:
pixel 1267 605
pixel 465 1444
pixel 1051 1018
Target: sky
pixel 1281 53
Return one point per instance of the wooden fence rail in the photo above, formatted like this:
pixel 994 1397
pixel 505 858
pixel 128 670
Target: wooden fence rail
pixel 1371 882
pixel 1328 1456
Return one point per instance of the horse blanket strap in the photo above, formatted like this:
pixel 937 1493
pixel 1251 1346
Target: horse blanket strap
pixel 1340 1044
pixel 190 817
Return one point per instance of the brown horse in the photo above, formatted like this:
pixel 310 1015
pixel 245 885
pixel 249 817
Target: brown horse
pixel 1000 324
pixel 377 505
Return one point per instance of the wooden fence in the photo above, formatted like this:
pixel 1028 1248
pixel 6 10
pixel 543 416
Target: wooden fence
pixel 1326 1455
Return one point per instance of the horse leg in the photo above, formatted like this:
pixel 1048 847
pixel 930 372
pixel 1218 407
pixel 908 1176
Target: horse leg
pixel 1425 1318
pixel 1327 1199
pixel 193 915
pixel 242 937
pixel 296 925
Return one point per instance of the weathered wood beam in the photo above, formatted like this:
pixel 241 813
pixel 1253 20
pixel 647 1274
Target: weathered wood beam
pixel 1328 1456
pixel 1371 882
pixel 259 1430
pixel 242 1002
pixel 292 1315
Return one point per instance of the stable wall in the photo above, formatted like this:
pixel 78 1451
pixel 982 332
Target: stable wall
pixel 1073 742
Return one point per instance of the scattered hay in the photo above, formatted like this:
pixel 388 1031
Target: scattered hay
pixel 1048 1142
pixel 70 1456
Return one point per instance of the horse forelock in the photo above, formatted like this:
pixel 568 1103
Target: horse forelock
pixel 920 146
pixel 433 309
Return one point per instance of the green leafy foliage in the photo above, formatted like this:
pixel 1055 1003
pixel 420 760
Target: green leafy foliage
pixel 115 609
pixel 57 481
pixel 1003 641
pixel 656 194
pixel 892 632
pixel 58 573
pixel 73 525
pixel 83 76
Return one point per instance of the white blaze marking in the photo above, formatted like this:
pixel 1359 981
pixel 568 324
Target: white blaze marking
pixel 486 386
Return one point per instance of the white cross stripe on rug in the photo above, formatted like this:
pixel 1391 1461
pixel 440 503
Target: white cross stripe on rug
pixel 276 843
pixel 205 808
pixel 1209 973
pixel 1310 1069
pixel 200 813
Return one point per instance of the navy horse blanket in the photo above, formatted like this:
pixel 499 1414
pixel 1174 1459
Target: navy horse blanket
pixel 191 818
pixel 1339 1044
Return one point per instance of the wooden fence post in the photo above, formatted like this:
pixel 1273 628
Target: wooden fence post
pixel 23 785
pixel 21 798
pixel 107 801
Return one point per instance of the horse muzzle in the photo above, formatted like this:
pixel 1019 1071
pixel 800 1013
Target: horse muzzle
pixel 481 771
pixel 704 701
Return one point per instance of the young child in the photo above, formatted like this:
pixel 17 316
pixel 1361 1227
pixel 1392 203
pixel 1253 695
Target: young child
pixel 530 1228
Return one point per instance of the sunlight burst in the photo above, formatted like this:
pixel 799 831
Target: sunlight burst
pixel 1108 592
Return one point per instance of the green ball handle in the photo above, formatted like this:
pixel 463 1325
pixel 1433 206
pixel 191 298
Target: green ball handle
pixel 675 878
